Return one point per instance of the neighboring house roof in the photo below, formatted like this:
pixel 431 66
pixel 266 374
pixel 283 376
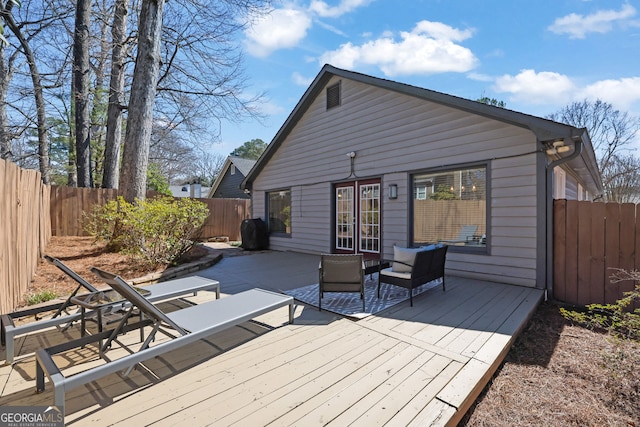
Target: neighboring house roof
pixel 242 165
pixel 584 164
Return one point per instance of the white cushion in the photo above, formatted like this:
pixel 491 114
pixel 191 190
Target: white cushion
pixel 390 272
pixel 406 255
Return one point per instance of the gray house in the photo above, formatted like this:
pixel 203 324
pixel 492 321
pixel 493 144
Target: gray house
pixel 227 184
pixel 363 164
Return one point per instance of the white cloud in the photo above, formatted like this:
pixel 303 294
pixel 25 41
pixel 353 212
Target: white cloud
pixel 479 77
pixel 554 89
pixel 431 47
pixel 578 26
pixel 279 29
pixel 299 80
pixel 621 93
pixel 537 88
pixel 323 10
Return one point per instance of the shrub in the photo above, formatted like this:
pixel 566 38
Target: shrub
pixel 618 318
pixel 156 231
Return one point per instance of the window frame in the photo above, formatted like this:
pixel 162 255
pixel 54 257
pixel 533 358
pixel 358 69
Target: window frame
pixel 480 250
pixel 268 212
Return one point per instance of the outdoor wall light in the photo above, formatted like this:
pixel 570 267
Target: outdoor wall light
pixel 557 147
pixel 393 191
pixel 351 154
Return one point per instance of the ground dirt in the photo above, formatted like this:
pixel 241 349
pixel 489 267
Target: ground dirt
pixel 556 374
pixel 82 253
pixel 560 374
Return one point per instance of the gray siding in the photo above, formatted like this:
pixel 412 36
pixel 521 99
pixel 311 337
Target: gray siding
pixel 229 187
pixel 394 135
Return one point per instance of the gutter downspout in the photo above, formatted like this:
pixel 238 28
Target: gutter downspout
pixel 576 152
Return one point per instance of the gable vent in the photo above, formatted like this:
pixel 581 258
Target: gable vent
pixel 333 96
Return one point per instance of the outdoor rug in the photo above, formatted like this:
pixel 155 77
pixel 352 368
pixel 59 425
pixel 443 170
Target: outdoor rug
pixel 349 303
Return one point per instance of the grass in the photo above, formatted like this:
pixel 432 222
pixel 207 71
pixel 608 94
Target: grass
pixel 40 297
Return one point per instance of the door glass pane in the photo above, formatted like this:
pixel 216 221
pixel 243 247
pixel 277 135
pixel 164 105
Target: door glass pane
pixel 344 218
pixel 370 218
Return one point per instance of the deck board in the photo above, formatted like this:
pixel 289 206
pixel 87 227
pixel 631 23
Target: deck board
pixel 420 365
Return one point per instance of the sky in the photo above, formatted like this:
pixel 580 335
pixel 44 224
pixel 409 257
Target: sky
pixel 536 56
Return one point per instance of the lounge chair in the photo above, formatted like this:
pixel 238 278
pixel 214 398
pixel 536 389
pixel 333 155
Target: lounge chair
pixel 341 273
pixel 465 236
pixel 189 324
pixel 160 291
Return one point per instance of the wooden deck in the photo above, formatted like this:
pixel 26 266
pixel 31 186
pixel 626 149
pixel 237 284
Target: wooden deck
pixel 415 366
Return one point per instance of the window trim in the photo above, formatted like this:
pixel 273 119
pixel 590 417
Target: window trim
pixel 479 250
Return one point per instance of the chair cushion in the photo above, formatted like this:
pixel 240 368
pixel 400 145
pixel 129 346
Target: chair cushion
pixel 391 273
pixel 406 255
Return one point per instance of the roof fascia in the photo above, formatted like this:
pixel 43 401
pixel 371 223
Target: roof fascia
pixel 218 181
pixel 544 129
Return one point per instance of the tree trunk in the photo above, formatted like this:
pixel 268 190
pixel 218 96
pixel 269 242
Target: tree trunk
pixel 143 91
pixel 72 170
pixel 111 176
pixel 81 92
pixel 43 140
pixel 5 137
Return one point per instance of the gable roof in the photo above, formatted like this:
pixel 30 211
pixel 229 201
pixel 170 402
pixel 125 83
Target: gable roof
pixel 545 130
pixel 242 165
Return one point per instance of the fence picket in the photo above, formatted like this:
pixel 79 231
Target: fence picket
pixel 31 212
pixel 24 233
pixel 591 239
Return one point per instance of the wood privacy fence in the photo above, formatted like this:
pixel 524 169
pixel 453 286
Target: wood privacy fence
pixel 25 230
pixel 591 240
pixel 451 216
pixel 68 205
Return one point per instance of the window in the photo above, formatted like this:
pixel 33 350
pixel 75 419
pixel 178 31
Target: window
pixel 560 184
pixel 333 96
pixel 279 208
pixel 233 169
pixel 451 207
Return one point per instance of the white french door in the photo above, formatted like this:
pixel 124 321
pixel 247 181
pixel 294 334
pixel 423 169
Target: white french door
pixel 357 217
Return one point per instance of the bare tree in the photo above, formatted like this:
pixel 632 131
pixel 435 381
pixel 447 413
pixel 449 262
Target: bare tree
pixel 612 132
pixel 202 80
pixel 143 91
pixel 43 143
pixel 6 73
pixel 623 173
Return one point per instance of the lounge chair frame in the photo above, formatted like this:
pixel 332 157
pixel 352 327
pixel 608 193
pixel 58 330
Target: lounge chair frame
pixel 465 236
pixel 170 289
pixel 193 323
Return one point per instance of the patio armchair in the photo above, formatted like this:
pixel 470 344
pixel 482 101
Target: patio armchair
pixel 414 267
pixel 341 273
